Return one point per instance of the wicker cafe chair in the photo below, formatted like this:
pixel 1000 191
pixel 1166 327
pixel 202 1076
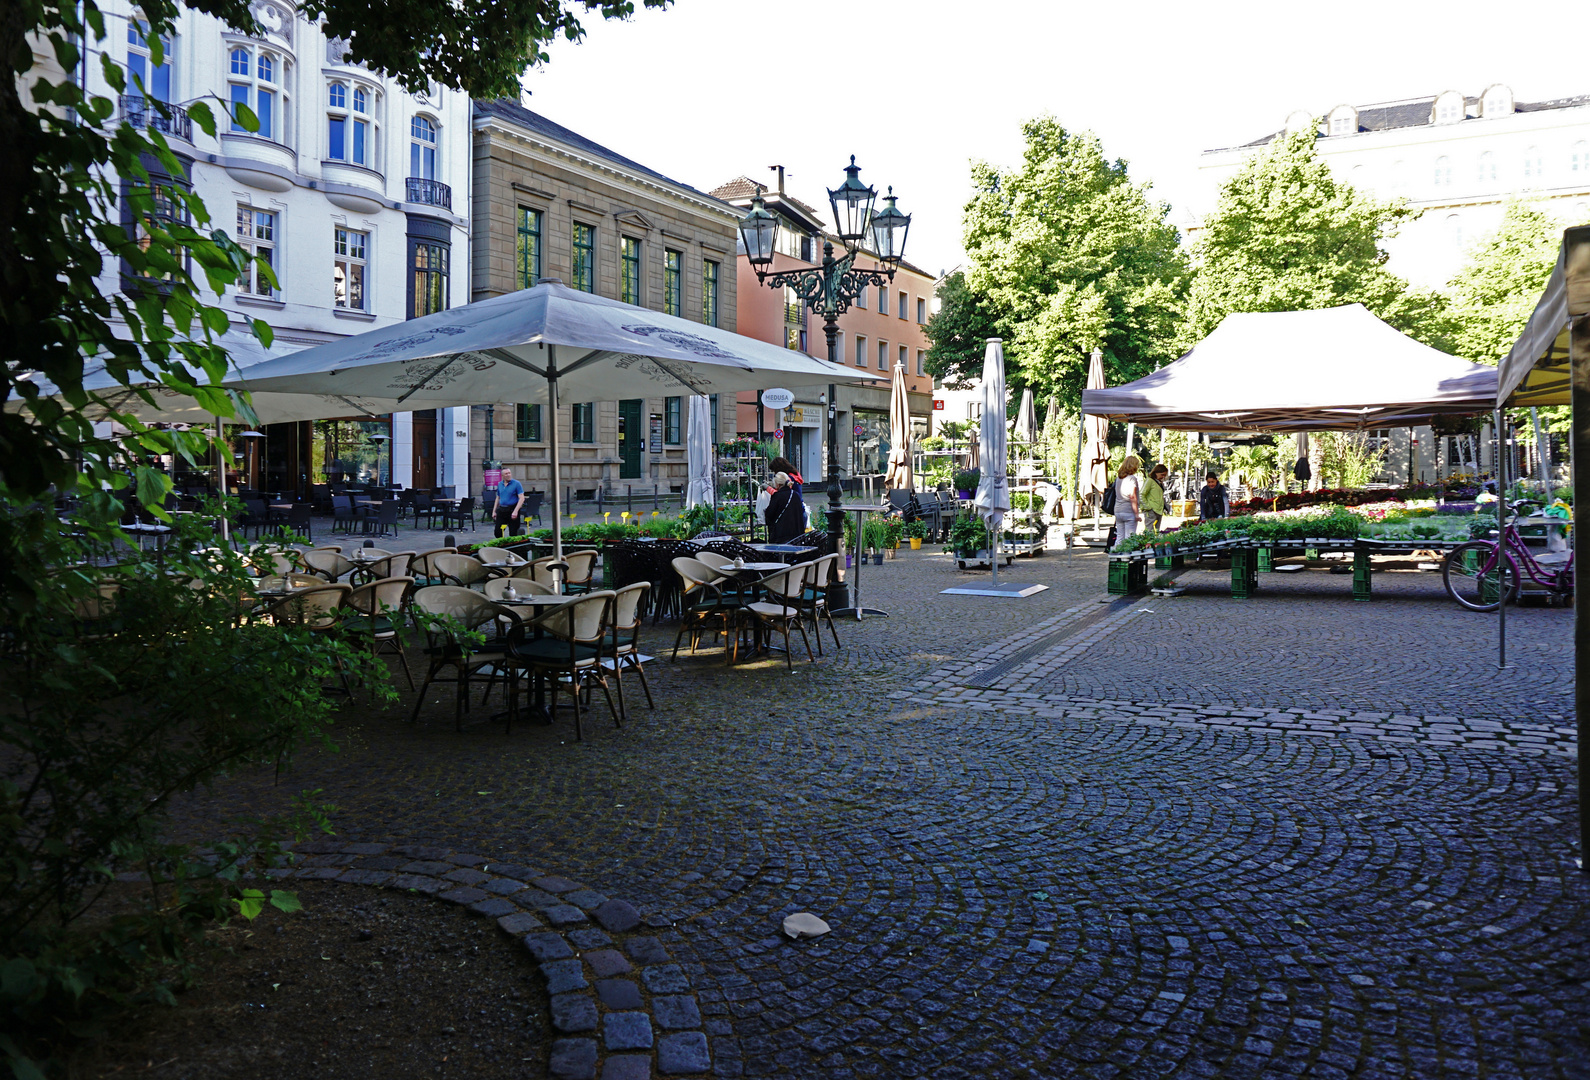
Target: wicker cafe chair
pixel 384 564
pixel 623 640
pixel 496 556
pixel 572 651
pixel 582 567
pixel 547 570
pixel 497 587
pixel 470 663
pixel 707 603
pixel 455 569
pixel 782 607
pixel 330 565
pixel 378 618
pixel 814 598
pixel 424 571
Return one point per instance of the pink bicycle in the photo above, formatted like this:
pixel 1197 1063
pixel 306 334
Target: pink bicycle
pixel 1482 573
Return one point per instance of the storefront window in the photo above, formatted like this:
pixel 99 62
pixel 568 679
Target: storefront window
pixel 345 453
pixel 872 441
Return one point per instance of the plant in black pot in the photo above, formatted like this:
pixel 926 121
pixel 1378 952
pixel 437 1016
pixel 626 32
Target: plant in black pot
pixel 968 536
pixel 874 537
pixel 966 482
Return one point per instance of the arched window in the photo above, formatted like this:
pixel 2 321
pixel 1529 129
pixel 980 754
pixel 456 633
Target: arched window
pixel 144 76
pixel 1454 230
pixel 350 128
pixel 257 82
pixel 1449 108
pixel 1534 165
pixel 422 148
pixel 1579 160
pixel 1443 171
pixel 1498 101
pixel 1487 173
pixel 1344 120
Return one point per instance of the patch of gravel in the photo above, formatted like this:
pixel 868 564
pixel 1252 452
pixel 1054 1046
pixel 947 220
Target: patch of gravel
pixel 362 982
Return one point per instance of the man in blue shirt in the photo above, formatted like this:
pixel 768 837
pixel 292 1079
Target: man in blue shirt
pixel 510 498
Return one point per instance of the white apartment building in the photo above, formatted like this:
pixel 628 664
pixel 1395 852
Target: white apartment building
pixel 1460 159
pixel 355 191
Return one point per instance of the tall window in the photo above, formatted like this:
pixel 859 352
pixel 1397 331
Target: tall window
pixel 629 271
pixel 256 234
pixel 921 311
pixel 671 420
pixel 584 257
pixel 582 424
pixel 883 356
pixel 709 293
pixel 1534 164
pixel 861 299
pixel 861 351
pixel 527 251
pixel 430 278
pixel 903 302
pixel 527 424
pixel 146 207
pixel 422 148
pixel 350 251
pixel 1443 171
pixel 921 362
pixel 255 82
pixel 883 300
pixel 350 134
pixel 153 80
pixel 1579 160
pixel 673 265
pixel 1487 167
pixel 904 355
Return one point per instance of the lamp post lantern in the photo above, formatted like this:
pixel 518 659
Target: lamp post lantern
pixel 830 288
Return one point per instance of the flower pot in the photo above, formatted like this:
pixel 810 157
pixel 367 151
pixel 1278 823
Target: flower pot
pixel 963 494
pixel 916 543
pixel 848 560
pixel 877 558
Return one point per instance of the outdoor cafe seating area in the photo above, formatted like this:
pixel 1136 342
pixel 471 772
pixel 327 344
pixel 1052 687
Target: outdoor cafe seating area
pixel 538 632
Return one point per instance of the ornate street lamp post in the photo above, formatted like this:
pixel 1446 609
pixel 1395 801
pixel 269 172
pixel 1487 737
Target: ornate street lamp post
pixel 830 288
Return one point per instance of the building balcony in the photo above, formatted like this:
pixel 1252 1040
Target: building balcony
pixel 160 116
pixel 429 193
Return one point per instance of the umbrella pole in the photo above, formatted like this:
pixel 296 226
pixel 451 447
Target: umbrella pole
pixel 552 446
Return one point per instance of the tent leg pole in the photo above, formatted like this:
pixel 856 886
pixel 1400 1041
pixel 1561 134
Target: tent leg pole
pixel 1579 365
pixel 555 484
pixel 1501 538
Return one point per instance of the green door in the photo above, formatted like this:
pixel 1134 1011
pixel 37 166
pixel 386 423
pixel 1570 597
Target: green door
pixel 630 434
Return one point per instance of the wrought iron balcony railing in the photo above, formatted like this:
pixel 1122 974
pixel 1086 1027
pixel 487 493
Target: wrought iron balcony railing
pixel 430 192
pixel 168 119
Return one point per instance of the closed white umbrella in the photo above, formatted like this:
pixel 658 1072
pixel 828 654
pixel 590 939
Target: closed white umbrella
pixel 698 452
pixel 899 473
pixel 1095 431
pixel 993 486
pixel 1026 429
pixel 543 344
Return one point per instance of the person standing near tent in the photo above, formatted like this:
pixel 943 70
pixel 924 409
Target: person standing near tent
pixel 1213 500
pixel 1154 509
pixel 1128 498
pixel 510 499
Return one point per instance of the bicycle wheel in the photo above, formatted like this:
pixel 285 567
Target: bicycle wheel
pixel 1471 578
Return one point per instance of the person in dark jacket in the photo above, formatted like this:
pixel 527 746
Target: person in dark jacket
pixel 1213 501
pixel 785 514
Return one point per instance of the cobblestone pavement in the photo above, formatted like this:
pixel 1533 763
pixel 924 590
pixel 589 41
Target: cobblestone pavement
pixel 1120 854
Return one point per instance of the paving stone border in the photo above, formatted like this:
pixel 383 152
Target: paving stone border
pixel 622 1007
pixel 1021 688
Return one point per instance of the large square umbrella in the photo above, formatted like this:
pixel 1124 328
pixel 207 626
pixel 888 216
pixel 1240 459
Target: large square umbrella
pixel 537 345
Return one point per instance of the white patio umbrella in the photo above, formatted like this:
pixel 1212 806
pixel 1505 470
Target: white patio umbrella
pixel 1095 438
pixel 899 472
pixel 541 344
pixel 993 486
pixel 698 452
pixel 1026 429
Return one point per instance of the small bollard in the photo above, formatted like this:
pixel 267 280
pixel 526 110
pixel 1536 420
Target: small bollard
pixel 448 541
pixel 369 543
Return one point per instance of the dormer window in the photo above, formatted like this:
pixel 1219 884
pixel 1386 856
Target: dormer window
pixel 1344 120
pixel 1449 108
pixel 1498 101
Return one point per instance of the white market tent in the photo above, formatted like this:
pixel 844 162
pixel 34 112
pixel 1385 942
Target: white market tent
pixel 1330 369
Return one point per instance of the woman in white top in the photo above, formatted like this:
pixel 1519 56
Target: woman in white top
pixel 1128 498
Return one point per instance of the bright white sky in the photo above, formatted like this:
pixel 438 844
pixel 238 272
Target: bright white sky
pixel 711 89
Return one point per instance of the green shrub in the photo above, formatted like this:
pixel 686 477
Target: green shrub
pixel 968 534
pixel 967 479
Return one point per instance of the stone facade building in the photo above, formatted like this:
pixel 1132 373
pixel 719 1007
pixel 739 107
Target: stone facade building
pixel 550 203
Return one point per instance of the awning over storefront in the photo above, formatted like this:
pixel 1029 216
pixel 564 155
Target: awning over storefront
pixel 1535 371
pixel 1335 368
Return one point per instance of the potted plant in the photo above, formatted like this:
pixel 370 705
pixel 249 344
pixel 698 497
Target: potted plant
pixel 916 532
pixel 966 482
pixel 894 530
pixel 968 536
pixel 874 537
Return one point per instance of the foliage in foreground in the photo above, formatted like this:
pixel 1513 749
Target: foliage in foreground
pixel 122 686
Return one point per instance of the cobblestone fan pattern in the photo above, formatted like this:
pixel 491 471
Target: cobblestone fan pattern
pixel 1089 889
pixel 622 1007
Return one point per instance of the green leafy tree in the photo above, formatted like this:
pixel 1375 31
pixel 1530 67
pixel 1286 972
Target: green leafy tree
pixel 1068 254
pixel 1496 290
pixel 1286 235
pixel 958 333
